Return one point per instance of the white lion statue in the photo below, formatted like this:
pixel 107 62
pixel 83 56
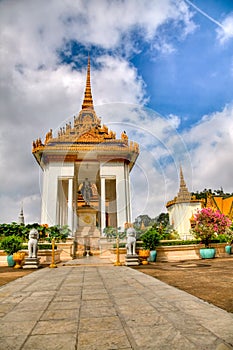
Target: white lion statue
pixel 131 241
pixel 32 243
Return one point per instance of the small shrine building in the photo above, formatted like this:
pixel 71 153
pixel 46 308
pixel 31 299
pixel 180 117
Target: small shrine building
pixel 182 208
pixel 86 169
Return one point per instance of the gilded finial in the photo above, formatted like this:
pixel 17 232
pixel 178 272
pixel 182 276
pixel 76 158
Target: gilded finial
pixel 88 102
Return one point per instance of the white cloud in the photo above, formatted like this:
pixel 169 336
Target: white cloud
pixel 205 153
pixel 211 144
pixel 125 80
pixel 225 28
pixel 33 31
pixel 186 16
pixel 163 47
pixel 225 31
pixel 174 120
pixel 155 176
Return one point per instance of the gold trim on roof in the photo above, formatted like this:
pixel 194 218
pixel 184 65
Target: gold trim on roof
pixel 87 134
pixel 106 146
pixel 81 133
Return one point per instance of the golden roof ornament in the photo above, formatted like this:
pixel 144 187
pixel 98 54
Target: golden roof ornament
pixel 87 117
pixel 88 102
pixel 86 134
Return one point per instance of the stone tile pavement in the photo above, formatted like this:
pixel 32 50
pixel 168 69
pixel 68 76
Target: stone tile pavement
pixel 106 308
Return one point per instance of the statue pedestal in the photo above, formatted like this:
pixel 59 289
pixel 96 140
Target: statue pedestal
pixel 132 260
pixel 86 216
pixel 31 263
pixel 87 234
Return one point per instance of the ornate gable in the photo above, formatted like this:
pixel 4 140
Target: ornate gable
pixel 87 133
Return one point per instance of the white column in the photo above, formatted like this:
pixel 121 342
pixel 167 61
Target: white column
pixel 58 208
pixel 103 214
pixel 75 221
pixel 70 204
pixel 44 204
pixel 49 197
pixel 121 198
pixel 128 202
pixel 127 193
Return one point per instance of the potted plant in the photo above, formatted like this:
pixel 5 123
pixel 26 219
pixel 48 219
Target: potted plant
pixel 229 237
pixel 11 244
pixel 209 223
pixel 150 240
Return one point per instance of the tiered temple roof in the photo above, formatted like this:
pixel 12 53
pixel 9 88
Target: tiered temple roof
pixel 223 204
pixel 86 134
pixel 183 196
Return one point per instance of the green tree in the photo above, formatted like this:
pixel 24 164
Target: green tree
pixel 112 232
pixel 145 219
pixel 203 194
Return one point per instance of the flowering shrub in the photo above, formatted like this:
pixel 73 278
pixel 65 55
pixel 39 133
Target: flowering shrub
pixel 209 224
pixel 229 234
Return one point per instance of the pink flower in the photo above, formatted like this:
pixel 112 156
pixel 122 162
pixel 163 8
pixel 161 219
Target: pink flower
pixel 210 223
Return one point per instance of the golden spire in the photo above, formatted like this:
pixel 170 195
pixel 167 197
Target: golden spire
pixel 88 102
pixel 183 194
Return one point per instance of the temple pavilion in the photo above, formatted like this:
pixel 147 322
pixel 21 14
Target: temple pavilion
pixel 86 169
pixel 182 208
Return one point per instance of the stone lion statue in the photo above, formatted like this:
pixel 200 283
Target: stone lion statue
pixel 131 240
pixel 33 243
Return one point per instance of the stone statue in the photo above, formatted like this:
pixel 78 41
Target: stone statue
pixel 32 243
pixel 86 191
pixel 131 240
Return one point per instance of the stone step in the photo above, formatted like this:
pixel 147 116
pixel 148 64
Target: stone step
pixel 31 263
pixel 132 260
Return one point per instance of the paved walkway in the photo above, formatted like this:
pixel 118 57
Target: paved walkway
pixel 106 308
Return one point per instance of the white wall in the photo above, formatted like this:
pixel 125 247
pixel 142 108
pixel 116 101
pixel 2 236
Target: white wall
pixel 52 172
pixel 117 170
pixel 179 217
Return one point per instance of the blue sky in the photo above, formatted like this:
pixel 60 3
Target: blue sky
pixel 161 69
pixel 191 82
pixel 196 78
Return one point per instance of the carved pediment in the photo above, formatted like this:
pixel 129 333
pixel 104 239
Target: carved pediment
pixel 91 136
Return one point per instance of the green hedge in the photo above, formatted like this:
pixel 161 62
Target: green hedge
pixel 181 242
pixel 46 246
pixel 121 245
pixel 42 246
